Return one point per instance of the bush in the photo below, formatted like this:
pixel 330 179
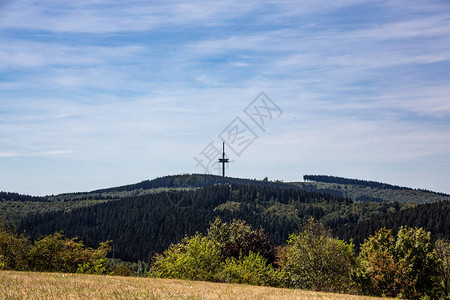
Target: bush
pixel 52 253
pixel 315 260
pixel 406 266
pixel 14 250
pixel 223 233
pixel 238 238
pixel 56 253
pixel 194 258
pixel 249 269
pixel 231 252
pixel 442 248
pixel 97 267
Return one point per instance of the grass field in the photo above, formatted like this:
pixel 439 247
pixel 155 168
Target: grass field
pixel 28 285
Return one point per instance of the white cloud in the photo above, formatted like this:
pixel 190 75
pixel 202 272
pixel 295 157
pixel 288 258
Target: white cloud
pixel 56 152
pixel 148 84
pixel 9 154
pixel 22 54
pixel 104 17
pixel 35 154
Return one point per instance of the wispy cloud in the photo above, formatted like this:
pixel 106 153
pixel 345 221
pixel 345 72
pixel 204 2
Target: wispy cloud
pixel 104 17
pixel 21 53
pixel 9 154
pixel 35 154
pixel 148 84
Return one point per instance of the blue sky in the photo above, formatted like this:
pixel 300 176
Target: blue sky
pixel 96 94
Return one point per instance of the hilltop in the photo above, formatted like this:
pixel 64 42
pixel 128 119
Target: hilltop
pixel 15 206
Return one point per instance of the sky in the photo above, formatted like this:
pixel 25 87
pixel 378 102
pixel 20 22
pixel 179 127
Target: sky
pixel 96 94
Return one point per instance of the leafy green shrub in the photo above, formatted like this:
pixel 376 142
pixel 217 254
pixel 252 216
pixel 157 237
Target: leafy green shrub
pixel 223 233
pixel 238 238
pixel 250 269
pixel 315 260
pixel 406 266
pixel 51 253
pixel 225 254
pixel 256 241
pixel 56 253
pixel 97 267
pixel 14 250
pixel 442 248
pixel 195 258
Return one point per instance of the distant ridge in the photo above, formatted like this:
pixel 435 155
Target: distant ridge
pixel 368 183
pixel 7 196
pixel 192 181
pixel 358 190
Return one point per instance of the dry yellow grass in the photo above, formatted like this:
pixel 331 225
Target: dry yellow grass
pixel 28 285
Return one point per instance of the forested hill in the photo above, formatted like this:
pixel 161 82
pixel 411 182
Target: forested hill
pixel 185 181
pixel 13 206
pixel 146 217
pixel 368 183
pixel 363 190
pixel 143 225
pixel 358 190
pixel 192 181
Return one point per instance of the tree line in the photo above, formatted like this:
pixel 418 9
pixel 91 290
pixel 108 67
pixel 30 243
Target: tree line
pixel 7 196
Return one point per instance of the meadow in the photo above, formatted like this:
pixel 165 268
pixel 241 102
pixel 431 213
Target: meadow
pixel 32 285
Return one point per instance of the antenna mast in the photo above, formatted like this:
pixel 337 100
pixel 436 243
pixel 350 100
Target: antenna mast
pixel 223 160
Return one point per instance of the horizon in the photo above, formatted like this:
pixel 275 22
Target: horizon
pixel 102 94
pixel 273 180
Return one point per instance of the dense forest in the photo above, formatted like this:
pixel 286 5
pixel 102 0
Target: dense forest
pixel 140 226
pixel 434 217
